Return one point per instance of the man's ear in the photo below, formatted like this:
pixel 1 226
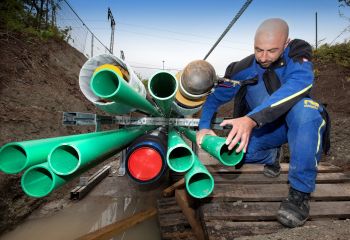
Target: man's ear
pixel 287 42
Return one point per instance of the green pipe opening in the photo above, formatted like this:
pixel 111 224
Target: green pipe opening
pixel 200 185
pixel 12 158
pixel 163 85
pixel 105 83
pixel 216 147
pixel 180 159
pixel 109 85
pixel 230 157
pixel 37 181
pixel 199 182
pixel 64 160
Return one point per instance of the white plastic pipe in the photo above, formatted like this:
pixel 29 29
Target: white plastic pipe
pixel 86 73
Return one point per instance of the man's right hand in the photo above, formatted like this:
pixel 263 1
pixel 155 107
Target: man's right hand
pixel 201 133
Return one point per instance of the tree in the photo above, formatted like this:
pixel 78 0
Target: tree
pixel 344 3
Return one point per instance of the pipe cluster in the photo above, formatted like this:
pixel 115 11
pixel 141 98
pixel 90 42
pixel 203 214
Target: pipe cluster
pixel 110 84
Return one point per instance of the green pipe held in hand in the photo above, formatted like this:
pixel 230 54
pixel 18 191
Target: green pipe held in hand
pixel 216 147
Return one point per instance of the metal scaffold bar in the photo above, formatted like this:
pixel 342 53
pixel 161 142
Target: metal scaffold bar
pixel 78 118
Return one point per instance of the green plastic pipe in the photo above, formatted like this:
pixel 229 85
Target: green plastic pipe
pixel 180 156
pixel 216 147
pixel 163 87
pixel 18 156
pixel 199 182
pixel 109 85
pixel 39 180
pixel 67 158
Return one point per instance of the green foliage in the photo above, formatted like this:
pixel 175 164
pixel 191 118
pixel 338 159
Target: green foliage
pixel 344 2
pixel 33 17
pixel 145 83
pixel 338 53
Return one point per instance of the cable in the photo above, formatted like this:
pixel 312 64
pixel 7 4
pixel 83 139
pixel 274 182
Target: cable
pixel 85 24
pixel 170 69
pixel 182 40
pixel 238 15
pixel 342 32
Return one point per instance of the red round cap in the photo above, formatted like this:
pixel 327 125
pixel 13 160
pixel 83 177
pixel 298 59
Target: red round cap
pixel 145 163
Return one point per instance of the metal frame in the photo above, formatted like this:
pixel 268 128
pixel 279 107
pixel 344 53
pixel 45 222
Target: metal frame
pixel 87 119
pixel 91 119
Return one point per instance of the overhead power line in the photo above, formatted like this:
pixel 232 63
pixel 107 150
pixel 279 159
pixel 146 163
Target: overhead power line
pixel 341 33
pixel 85 25
pixel 238 15
pixel 173 69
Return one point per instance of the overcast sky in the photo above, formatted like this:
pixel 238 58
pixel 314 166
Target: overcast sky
pixel 177 32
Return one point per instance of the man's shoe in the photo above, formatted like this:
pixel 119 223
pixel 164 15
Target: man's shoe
pixel 294 211
pixel 274 170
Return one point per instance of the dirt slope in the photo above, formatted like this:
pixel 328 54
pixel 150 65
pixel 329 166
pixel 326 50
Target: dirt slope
pixel 38 81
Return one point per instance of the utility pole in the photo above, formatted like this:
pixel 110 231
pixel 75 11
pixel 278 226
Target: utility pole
pixel 163 64
pixel 110 17
pixel 316 43
pixel 92 45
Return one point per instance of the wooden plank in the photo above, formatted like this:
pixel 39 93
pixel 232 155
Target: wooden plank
pixel 257 211
pixel 113 229
pixel 166 202
pixel 168 192
pixel 169 210
pixel 254 169
pixel 224 229
pixel 186 234
pixel 172 219
pixel 184 202
pixel 259 178
pixel 275 192
pixel 80 191
pixel 258 168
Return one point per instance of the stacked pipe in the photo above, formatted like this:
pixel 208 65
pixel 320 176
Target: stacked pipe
pixel 51 163
pixel 111 84
pixel 181 158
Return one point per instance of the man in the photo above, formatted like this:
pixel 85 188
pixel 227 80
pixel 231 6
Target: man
pixel 272 107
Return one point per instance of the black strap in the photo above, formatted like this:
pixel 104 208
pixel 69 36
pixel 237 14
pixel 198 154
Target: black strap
pixel 271 80
pixel 240 107
pixel 326 139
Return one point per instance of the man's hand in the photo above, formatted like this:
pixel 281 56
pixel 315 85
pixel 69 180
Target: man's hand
pixel 201 133
pixel 241 129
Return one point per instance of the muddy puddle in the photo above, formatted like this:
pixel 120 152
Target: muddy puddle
pixel 93 212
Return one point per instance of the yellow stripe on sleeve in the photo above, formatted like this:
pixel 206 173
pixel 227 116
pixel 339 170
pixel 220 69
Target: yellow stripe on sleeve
pixel 291 96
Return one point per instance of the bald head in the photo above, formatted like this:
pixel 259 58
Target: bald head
pixel 273 28
pixel 271 38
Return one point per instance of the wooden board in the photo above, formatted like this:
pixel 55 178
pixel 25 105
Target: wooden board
pixel 224 229
pixel 259 178
pixel 245 202
pixel 257 211
pixel 275 192
pixel 258 168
